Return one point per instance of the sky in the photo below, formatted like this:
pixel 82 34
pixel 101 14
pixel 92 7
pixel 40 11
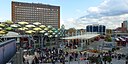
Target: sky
pixel 80 13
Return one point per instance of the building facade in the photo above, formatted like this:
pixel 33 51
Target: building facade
pixel 109 31
pixel 36 12
pixel 100 29
pixel 125 26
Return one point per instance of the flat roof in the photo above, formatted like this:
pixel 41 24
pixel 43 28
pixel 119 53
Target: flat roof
pixel 85 36
pixel 122 38
pixel 40 4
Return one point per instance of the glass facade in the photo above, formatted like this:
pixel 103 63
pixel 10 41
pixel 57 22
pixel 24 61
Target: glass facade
pixel 101 29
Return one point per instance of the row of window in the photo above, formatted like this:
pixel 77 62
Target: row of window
pixel 36 17
pixel 33 19
pixel 35 8
pixel 37 13
pixel 31 14
pixel 24 10
pixel 42 13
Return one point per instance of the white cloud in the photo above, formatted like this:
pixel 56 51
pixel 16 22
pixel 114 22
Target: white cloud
pixel 72 23
pixel 109 13
pixel 108 8
pixel 109 21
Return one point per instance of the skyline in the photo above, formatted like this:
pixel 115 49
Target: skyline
pixel 80 13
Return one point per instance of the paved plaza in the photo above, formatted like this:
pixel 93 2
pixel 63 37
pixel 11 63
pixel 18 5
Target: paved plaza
pixel 114 61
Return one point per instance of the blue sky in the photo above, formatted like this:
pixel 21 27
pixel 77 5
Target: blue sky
pixel 80 13
pixel 5 10
pixel 69 8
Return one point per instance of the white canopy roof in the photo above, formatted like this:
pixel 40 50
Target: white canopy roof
pixel 13 34
pixel 85 36
pixel 122 38
pixel 117 39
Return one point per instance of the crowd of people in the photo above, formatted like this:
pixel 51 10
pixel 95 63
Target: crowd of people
pixel 45 56
pixel 55 55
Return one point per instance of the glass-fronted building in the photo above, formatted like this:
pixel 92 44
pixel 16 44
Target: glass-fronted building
pixel 100 29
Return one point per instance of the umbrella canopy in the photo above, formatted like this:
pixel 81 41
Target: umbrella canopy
pixel 42 31
pixel 42 26
pixel 49 26
pixel 23 28
pixel 50 36
pixel 56 31
pixel 56 35
pixel 22 23
pixel 9 28
pixel 3 32
pixel 53 29
pixel 45 29
pixel 37 29
pixel 59 29
pixel 2 25
pixel 46 34
pixel 59 33
pixel 15 25
pixel 30 26
pixel 0 28
pixel 50 31
pixel 37 23
pixel 53 33
pixel 8 22
pixel 30 31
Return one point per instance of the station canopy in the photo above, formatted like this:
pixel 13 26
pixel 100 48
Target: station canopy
pixel 11 34
pixel 85 36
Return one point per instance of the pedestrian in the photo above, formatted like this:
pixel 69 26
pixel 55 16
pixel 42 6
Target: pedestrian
pixel 119 57
pixel 80 54
pixel 126 62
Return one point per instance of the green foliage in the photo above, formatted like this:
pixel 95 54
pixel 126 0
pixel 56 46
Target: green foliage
pixel 93 59
pixel 108 38
pixel 113 49
pixel 107 58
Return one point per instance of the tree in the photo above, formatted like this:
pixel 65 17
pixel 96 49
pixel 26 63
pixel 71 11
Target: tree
pixel 109 59
pixel 108 38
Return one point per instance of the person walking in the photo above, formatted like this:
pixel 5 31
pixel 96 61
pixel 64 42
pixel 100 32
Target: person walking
pixel 126 60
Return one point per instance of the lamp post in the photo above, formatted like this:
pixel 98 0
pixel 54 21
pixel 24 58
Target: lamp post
pixel 42 32
pixel 50 36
